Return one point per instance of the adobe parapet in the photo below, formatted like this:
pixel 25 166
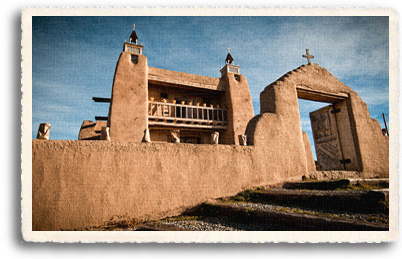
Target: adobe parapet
pixel 172 78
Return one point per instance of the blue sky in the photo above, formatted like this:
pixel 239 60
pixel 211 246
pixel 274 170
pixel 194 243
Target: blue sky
pixel 74 58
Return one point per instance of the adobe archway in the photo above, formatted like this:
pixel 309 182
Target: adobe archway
pixel 277 129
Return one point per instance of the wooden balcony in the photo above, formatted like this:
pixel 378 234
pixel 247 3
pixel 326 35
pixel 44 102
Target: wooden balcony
pixel 188 116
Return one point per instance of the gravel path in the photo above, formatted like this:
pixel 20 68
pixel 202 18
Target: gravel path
pixel 223 224
pixel 215 224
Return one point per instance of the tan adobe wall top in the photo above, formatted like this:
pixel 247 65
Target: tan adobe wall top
pixel 315 78
pixel 185 79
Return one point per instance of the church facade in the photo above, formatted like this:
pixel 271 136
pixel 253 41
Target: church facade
pixel 158 105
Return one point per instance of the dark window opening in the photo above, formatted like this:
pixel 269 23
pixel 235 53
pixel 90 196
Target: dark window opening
pixel 237 77
pixel 134 59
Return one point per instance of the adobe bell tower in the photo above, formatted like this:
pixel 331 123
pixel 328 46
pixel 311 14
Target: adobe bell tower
pixel 132 46
pixel 128 108
pixel 238 102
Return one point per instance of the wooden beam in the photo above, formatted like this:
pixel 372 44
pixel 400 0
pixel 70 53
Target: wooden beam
pixel 319 96
pixel 101 118
pixel 101 100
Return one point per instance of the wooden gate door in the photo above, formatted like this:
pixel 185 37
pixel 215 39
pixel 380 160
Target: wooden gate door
pixel 326 139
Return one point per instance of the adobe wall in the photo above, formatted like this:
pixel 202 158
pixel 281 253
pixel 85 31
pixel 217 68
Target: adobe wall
pixel 278 132
pixel 163 135
pixel 78 184
pixel 373 145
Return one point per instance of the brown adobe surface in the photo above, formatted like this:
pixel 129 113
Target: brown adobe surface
pixel 181 78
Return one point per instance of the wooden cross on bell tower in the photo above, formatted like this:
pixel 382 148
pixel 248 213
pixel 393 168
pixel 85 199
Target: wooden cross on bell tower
pixel 308 56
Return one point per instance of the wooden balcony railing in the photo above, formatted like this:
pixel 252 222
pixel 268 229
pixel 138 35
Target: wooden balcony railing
pixel 183 115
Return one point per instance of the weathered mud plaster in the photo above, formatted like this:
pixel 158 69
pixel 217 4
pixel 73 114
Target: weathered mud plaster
pixel 77 184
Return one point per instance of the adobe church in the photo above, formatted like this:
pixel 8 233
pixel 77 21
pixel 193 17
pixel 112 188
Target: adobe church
pixel 172 106
pixel 139 172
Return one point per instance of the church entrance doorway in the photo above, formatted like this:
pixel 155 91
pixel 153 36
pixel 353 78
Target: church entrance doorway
pixel 331 130
pixel 326 139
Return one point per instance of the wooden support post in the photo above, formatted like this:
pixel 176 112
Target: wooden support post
pixel 385 123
